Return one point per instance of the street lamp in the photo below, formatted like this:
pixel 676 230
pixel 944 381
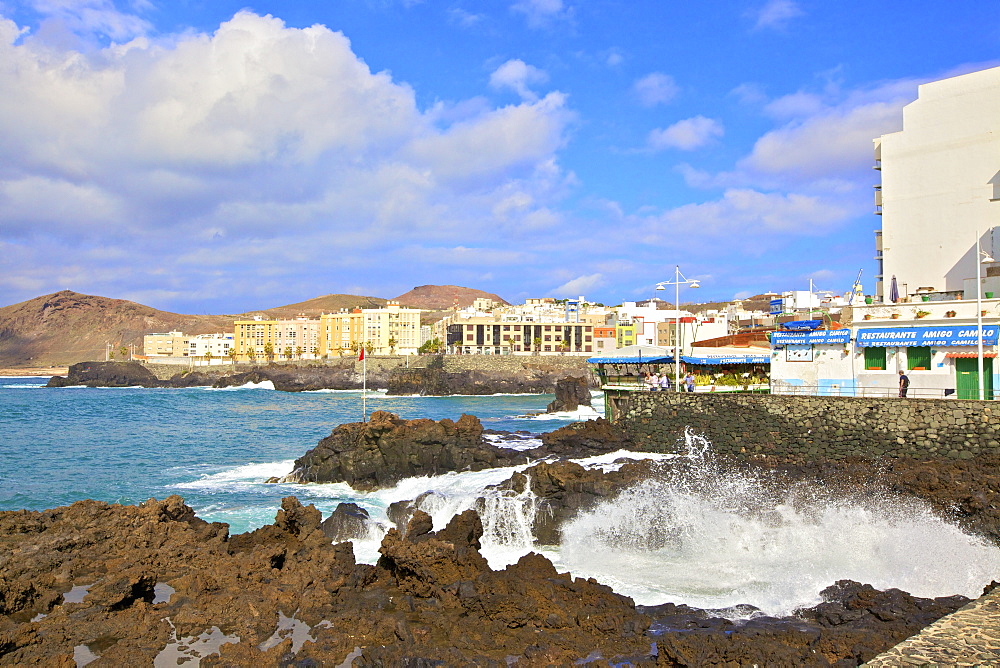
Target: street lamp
pixel 981 259
pixel 679 280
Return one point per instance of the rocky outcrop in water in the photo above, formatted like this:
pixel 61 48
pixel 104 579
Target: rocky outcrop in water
pixel 134 585
pixel 571 393
pixel 381 452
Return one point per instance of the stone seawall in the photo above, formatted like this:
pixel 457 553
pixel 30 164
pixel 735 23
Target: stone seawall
pixel 810 427
pixel 574 365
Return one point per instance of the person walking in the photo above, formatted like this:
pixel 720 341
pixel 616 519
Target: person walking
pixel 689 382
pixel 654 382
pixel 904 384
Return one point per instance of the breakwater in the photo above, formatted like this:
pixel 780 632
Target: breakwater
pixel 573 365
pixel 810 427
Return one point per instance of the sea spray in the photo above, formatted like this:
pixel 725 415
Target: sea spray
pixel 713 538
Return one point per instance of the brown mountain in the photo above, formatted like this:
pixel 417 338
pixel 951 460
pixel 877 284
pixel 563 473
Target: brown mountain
pixel 312 308
pixel 443 297
pixel 67 327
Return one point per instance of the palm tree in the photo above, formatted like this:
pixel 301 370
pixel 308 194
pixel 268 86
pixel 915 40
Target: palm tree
pixel 288 352
pixel 252 354
pixel 124 351
pixel 269 352
pixel 208 358
pixel 537 342
pixel 298 352
pixel 233 354
pixel 392 345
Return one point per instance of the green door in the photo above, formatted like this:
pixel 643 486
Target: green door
pixel 967 377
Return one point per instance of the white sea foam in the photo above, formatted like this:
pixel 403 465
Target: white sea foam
pixel 263 385
pixel 714 540
pixel 702 537
pixel 239 476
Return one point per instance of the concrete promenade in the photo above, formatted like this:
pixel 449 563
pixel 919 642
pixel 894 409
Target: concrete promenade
pixel 969 636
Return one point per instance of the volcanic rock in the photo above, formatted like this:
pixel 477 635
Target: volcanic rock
pixel 106 374
pixel 384 450
pixel 348 521
pixel 591 437
pixel 571 393
pixel 431 599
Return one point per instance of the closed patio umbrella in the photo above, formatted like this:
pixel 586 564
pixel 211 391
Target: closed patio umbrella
pixel 893 290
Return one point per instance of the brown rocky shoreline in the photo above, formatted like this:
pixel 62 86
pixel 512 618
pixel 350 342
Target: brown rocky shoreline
pixel 432 379
pixel 130 585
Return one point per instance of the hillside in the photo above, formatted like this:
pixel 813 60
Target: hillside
pixel 313 308
pixel 443 297
pixel 68 327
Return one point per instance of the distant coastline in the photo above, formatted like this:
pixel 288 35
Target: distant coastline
pixel 39 371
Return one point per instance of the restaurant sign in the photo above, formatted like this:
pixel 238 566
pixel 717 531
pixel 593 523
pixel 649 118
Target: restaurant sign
pixel 963 335
pixel 808 338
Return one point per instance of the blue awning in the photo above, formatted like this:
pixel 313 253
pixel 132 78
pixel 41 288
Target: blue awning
pixel 832 336
pixel 961 335
pixel 801 325
pixel 630 360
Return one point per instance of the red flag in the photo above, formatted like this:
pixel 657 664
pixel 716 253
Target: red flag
pixel 361 354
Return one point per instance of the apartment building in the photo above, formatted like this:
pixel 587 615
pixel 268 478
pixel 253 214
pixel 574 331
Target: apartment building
pixel 286 339
pixel 207 346
pixel 165 344
pixel 940 189
pixel 487 336
pixel 393 330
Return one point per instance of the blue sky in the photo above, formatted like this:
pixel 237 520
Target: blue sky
pixel 216 157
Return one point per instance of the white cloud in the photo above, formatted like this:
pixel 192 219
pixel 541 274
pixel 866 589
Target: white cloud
pixel 686 135
pixel 519 77
pixel 201 151
pixel 744 212
pixel 749 93
pixel 91 17
pixel 655 88
pixel 540 13
pixel 777 14
pixel 580 285
pixel 833 141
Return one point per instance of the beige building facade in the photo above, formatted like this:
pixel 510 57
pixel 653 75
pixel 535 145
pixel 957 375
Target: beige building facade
pixel 166 344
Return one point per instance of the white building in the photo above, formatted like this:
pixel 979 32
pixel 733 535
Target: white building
pixel 940 187
pixel 216 345
pixel 939 198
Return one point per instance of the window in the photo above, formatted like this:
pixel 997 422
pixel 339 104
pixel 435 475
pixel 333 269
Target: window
pixel 875 359
pixel 548 349
pixel 918 357
pixel 548 337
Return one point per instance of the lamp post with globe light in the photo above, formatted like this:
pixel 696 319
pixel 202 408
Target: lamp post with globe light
pixel 981 258
pixel 679 280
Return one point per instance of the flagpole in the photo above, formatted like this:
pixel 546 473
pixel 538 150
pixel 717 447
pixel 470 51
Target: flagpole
pixel 364 386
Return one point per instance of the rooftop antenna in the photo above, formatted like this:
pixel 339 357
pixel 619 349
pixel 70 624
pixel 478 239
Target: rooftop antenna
pixel 856 289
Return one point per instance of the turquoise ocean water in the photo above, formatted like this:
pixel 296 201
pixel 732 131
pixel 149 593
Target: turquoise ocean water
pixel 735 539
pixel 213 447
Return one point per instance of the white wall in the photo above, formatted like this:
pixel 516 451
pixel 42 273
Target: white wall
pixel 939 175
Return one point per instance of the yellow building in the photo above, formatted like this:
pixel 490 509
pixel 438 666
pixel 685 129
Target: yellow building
pixel 286 339
pixel 383 331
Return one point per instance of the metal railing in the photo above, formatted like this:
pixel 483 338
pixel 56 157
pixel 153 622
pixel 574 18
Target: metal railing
pixel 871 392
